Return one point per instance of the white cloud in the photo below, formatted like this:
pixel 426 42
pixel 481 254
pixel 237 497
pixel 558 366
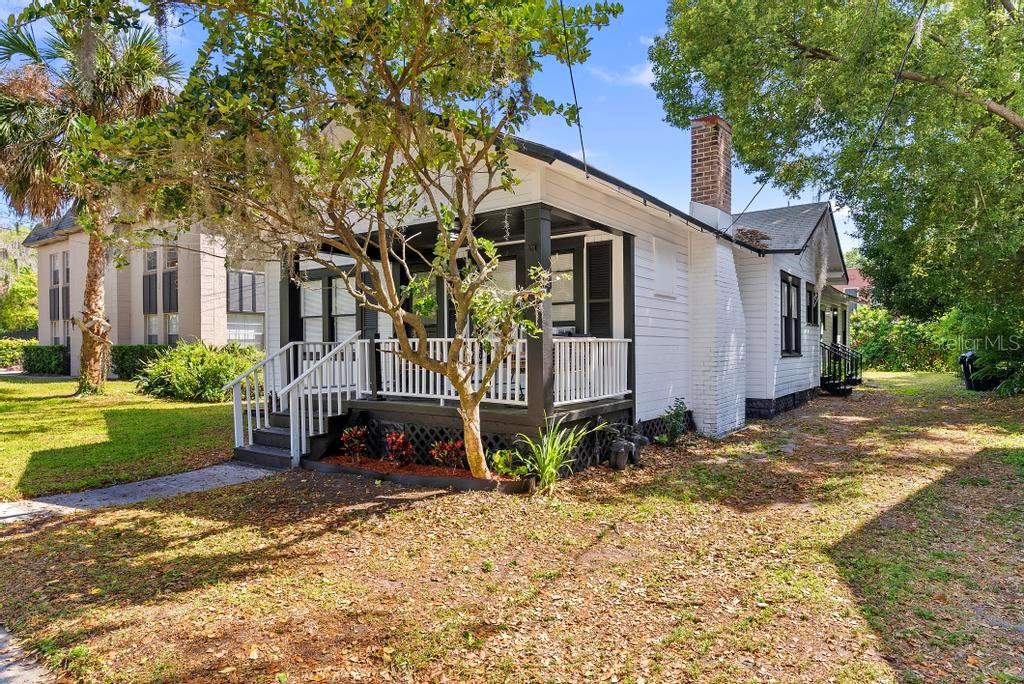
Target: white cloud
pixel 647 40
pixel 638 74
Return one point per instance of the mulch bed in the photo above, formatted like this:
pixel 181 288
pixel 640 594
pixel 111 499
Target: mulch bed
pixel 395 468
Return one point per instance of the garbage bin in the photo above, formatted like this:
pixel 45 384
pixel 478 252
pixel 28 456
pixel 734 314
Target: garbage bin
pixel 969 365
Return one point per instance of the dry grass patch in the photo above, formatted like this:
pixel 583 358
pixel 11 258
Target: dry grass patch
pixel 869 539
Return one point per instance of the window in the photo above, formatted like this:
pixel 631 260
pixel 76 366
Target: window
pixel 60 298
pixel 152 330
pixel 171 325
pixel 171 256
pixel 789 298
pixel 312 311
pixel 55 331
pixel 812 305
pixel 246 329
pixel 54 270
pixel 344 311
pixel 247 292
pixel 563 299
pixel 151 260
pixel 65 258
pixel 852 291
pixel 664 269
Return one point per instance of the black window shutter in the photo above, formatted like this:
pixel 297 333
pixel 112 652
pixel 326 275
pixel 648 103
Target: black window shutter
pixel 65 299
pixel 367 317
pixel 55 303
pixel 170 291
pixel 149 293
pixel 599 289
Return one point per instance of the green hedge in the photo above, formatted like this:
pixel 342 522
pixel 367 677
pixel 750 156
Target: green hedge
pixel 12 351
pixel 195 372
pixel 128 359
pixel 48 360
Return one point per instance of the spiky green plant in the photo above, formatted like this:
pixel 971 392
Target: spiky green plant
pixel 553 450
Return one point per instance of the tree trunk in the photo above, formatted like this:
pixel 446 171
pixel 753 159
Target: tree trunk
pixel 93 324
pixel 472 438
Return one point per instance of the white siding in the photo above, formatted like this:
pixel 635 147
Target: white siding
pixel 662 322
pixel 793 373
pixel 756 288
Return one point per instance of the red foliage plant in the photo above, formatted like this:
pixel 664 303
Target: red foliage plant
pixel 353 442
pixel 399 448
pixel 449 454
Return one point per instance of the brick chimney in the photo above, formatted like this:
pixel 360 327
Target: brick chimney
pixel 711 162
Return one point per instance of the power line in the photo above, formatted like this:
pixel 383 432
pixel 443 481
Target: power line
pixel 895 86
pixel 572 80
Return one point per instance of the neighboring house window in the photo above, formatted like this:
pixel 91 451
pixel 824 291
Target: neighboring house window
pixel 312 311
pixel 151 260
pixel 171 256
pixel 664 269
pixel 152 330
pixel 60 299
pixel 171 325
pixel 790 319
pixel 247 303
pixel 812 305
pixel 852 291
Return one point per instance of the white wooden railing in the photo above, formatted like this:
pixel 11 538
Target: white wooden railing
pixel 316 394
pixel 588 369
pixel 254 392
pixel 401 378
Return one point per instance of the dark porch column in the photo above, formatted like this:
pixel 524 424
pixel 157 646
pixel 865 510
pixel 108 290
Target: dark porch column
pixel 291 316
pixel 539 350
pixel 629 312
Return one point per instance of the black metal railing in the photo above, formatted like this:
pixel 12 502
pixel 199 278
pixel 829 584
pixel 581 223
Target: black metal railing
pixel 841 367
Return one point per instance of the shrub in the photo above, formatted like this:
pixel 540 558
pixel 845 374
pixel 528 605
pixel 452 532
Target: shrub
pixel 449 454
pixel 547 456
pixel 12 351
pixel 353 442
pixel 508 463
pixel 46 359
pixel 128 359
pixel 898 344
pixel 195 372
pixel 675 424
pixel 399 448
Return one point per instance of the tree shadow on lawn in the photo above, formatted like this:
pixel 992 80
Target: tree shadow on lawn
pixel 818 454
pixel 89 571
pixel 939 577
pixel 119 445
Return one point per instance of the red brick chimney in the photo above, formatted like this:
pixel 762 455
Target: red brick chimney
pixel 711 162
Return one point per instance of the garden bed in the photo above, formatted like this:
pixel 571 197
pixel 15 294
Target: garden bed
pixel 416 475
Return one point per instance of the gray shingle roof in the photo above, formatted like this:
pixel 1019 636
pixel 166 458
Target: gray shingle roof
pixel 786 228
pixel 44 232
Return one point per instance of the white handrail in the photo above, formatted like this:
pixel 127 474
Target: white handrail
pixel 316 394
pixel 259 398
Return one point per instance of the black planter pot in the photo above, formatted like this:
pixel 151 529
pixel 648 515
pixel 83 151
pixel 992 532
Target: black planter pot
pixel 620 454
pixel 639 442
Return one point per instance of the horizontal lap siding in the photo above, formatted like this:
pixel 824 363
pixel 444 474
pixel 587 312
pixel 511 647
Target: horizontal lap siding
pixel 755 290
pixel 662 323
pixel 795 373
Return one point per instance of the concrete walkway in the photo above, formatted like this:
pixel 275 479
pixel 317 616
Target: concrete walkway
pixel 164 487
pixel 16 666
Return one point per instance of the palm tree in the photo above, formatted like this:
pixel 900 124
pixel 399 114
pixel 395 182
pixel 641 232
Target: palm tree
pixel 49 90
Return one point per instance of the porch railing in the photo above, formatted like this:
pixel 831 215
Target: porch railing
pixel 590 369
pixel 840 366
pixel 401 378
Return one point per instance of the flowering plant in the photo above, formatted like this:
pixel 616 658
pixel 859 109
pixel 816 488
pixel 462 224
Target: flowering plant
pixel 400 449
pixel 353 442
pixel 449 454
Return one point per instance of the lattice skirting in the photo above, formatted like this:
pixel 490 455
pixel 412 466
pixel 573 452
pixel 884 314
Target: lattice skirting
pixel 592 451
pixel 658 426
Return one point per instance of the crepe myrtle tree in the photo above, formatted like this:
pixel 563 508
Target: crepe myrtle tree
pixel 325 126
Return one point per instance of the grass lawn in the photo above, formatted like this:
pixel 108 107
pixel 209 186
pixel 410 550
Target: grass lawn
pixel 51 442
pixel 873 538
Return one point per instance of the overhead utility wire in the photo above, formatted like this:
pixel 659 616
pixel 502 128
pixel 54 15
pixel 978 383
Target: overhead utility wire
pixel 572 80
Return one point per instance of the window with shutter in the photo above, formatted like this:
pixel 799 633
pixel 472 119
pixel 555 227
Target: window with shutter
pixel 599 289
pixel 149 303
pixel 170 293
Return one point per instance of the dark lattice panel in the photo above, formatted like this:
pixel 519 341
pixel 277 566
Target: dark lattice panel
pixel 423 437
pixel 659 426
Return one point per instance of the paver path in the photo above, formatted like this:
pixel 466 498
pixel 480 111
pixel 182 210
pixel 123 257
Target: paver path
pixel 163 487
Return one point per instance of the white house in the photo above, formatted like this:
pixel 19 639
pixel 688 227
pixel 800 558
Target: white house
pixel 731 313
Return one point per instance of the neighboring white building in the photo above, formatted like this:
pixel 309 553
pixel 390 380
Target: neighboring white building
pixel 169 292
pixel 723 311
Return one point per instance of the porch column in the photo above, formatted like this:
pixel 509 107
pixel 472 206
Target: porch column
pixel 629 313
pixel 539 350
pixel 290 298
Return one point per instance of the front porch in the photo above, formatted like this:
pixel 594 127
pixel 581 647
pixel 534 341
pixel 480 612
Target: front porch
pixel 339 365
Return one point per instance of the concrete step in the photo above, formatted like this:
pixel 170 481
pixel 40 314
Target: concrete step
pixel 264 456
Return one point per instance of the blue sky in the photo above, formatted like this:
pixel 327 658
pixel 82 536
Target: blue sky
pixel 623 125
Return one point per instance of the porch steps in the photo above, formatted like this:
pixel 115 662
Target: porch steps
pixel 275 458
pixel 271 447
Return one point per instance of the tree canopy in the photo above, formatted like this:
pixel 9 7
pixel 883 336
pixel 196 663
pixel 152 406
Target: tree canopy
pixel 934 188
